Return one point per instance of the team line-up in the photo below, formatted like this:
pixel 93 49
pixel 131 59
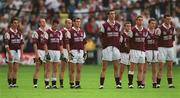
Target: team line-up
pixel 121 44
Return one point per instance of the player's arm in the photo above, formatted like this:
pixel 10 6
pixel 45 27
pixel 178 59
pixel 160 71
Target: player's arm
pixel 174 35
pixel 84 42
pixel 22 47
pixel 6 42
pixel 35 40
pixel 45 46
pixel 158 32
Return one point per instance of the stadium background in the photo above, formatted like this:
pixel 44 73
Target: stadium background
pixel 93 13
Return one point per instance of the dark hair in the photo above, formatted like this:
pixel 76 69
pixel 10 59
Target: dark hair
pixel 76 18
pixel 111 10
pixel 139 17
pixel 127 22
pixel 151 19
pixel 55 21
pixel 14 19
pixel 166 15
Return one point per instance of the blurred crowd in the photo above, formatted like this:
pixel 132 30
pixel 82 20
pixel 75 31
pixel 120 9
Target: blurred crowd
pixel 92 12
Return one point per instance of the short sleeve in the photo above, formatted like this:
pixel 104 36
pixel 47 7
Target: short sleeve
pixel 158 31
pixel 61 35
pixel 68 35
pixel 46 36
pixel 102 30
pixel 130 34
pixel 35 35
pixel 6 36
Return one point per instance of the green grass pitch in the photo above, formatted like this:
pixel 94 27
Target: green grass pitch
pixel 89 83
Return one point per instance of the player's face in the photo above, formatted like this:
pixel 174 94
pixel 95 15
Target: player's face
pixel 139 21
pixel 55 26
pixel 152 24
pixel 42 23
pixel 15 24
pixel 77 23
pixel 112 15
pixel 69 23
pixel 168 20
pixel 128 27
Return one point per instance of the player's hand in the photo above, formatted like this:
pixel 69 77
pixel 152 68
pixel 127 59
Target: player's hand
pixel 85 55
pixel 37 60
pixel 70 56
pixel 10 56
pixel 48 57
pixel 22 57
pixel 63 58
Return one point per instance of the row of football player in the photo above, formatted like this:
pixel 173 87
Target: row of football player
pixel 68 44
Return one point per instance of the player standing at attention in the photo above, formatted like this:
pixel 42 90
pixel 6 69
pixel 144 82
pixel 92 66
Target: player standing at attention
pixel 165 47
pixel 124 49
pixel 65 33
pixel 137 52
pixel 39 50
pixel 14 43
pixel 151 51
pixel 55 50
pixel 77 52
pixel 110 39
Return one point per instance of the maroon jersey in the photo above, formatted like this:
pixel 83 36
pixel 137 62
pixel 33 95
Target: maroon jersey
pixel 77 40
pixel 110 34
pixel 65 38
pixel 124 47
pixel 166 37
pixel 137 41
pixel 39 38
pixel 54 39
pixel 13 39
pixel 151 41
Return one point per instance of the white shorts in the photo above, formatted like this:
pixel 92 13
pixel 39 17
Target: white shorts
pixel 137 56
pixel 66 55
pixel 15 56
pixel 125 58
pixel 54 55
pixel 41 54
pixel 165 54
pixel 151 56
pixel 110 53
pixel 77 56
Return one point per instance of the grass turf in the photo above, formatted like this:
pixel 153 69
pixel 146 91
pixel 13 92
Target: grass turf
pixel 89 83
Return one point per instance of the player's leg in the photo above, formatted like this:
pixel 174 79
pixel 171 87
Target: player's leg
pixel 15 70
pixel 131 74
pixel 54 74
pixel 169 74
pixel 133 59
pixel 121 70
pixel 72 68
pixel 144 74
pixel 10 74
pixel 62 70
pixel 116 74
pixel 140 75
pixel 78 75
pixel 169 64
pixel 161 57
pixel 103 72
pixel 153 71
pixel 35 76
pixel 47 66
